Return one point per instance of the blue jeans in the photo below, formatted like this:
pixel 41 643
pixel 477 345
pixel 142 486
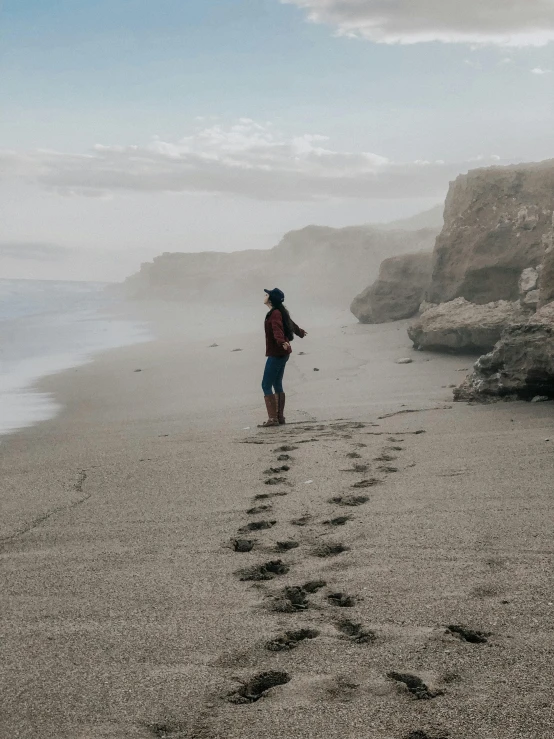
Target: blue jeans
pixel 273 375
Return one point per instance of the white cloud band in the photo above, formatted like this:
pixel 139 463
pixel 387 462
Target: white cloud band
pixel 502 22
pixel 247 159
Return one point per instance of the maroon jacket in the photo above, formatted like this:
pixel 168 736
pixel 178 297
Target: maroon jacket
pixel 275 334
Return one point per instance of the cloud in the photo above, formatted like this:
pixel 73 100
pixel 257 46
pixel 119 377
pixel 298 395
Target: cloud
pixel 500 22
pixel 247 159
pixel 37 251
pixel 540 70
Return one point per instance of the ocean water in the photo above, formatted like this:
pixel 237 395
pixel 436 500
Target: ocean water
pixel 46 327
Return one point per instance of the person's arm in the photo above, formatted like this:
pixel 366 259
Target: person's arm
pixel 297 330
pixel 277 328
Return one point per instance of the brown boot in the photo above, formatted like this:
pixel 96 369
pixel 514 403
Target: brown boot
pixel 281 407
pixel 271 405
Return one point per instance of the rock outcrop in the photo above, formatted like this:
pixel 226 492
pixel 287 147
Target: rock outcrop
pixel 328 265
pixel 497 222
pixel 520 365
pixel 398 291
pixel 461 326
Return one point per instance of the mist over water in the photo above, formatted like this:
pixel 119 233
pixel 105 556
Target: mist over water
pixel 47 327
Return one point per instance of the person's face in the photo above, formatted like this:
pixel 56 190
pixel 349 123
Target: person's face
pixel 267 301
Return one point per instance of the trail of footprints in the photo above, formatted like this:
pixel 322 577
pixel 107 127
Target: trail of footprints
pixel 315 594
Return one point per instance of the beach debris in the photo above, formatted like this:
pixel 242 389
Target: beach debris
pixel 536 399
pixel 255 688
pixel 236 350
pixel 265 571
pixel 355 632
pixel 415 685
pixel 342 600
pixel 404 360
pixel 329 549
pixel 285 546
pixel 474 637
pixel 290 639
pixel 349 500
pixel 137 370
pixel 212 346
pixel 316 369
pixel 258 525
pixel 307 482
pixel 243 545
pixel 246 428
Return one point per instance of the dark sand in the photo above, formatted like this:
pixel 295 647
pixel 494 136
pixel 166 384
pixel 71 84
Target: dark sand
pixel 122 611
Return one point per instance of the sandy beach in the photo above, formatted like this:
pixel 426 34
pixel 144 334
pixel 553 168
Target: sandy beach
pixel 398 578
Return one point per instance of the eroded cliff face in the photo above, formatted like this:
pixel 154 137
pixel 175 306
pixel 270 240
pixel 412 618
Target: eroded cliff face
pixel 398 291
pixel 497 222
pixel 327 265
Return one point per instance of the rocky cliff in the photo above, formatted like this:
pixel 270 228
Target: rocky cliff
pixel 328 265
pixel 398 291
pixel 497 222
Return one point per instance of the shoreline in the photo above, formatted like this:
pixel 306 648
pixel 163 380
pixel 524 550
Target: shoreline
pixel 125 611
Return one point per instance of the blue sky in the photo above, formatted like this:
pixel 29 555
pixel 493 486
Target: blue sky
pixel 130 73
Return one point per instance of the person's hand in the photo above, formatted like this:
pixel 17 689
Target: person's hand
pixel 305 334
pixel 286 346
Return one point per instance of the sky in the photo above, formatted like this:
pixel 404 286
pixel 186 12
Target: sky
pixel 133 127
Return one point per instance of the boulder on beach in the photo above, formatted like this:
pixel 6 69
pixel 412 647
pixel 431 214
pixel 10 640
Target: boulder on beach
pixel 498 222
pixel 397 292
pixel 520 365
pixel 461 326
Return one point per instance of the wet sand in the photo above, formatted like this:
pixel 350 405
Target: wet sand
pixel 127 611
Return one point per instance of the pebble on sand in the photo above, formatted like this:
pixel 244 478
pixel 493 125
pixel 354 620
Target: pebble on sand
pixel 404 360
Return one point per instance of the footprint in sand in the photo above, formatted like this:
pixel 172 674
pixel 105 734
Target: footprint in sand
pixel 290 600
pixel 469 635
pixel 354 455
pixel 312 586
pixel 387 468
pixel 385 458
pixel 285 448
pixel 341 600
pixel 349 500
pixel 258 509
pixel 356 468
pixel 366 483
pixel 355 632
pixel 302 521
pixel 257 686
pixel 257 526
pixel 276 481
pixel 284 458
pixel 415 685
pixel 329 549
pixel 265 571
pixel 338 521
pixel 167 729
pixel 276 470
pixel 424 735
pixel 286 546
pixel 290 640
pixel 243 545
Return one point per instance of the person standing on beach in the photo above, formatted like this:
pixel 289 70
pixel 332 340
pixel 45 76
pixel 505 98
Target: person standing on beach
pixel 279 332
